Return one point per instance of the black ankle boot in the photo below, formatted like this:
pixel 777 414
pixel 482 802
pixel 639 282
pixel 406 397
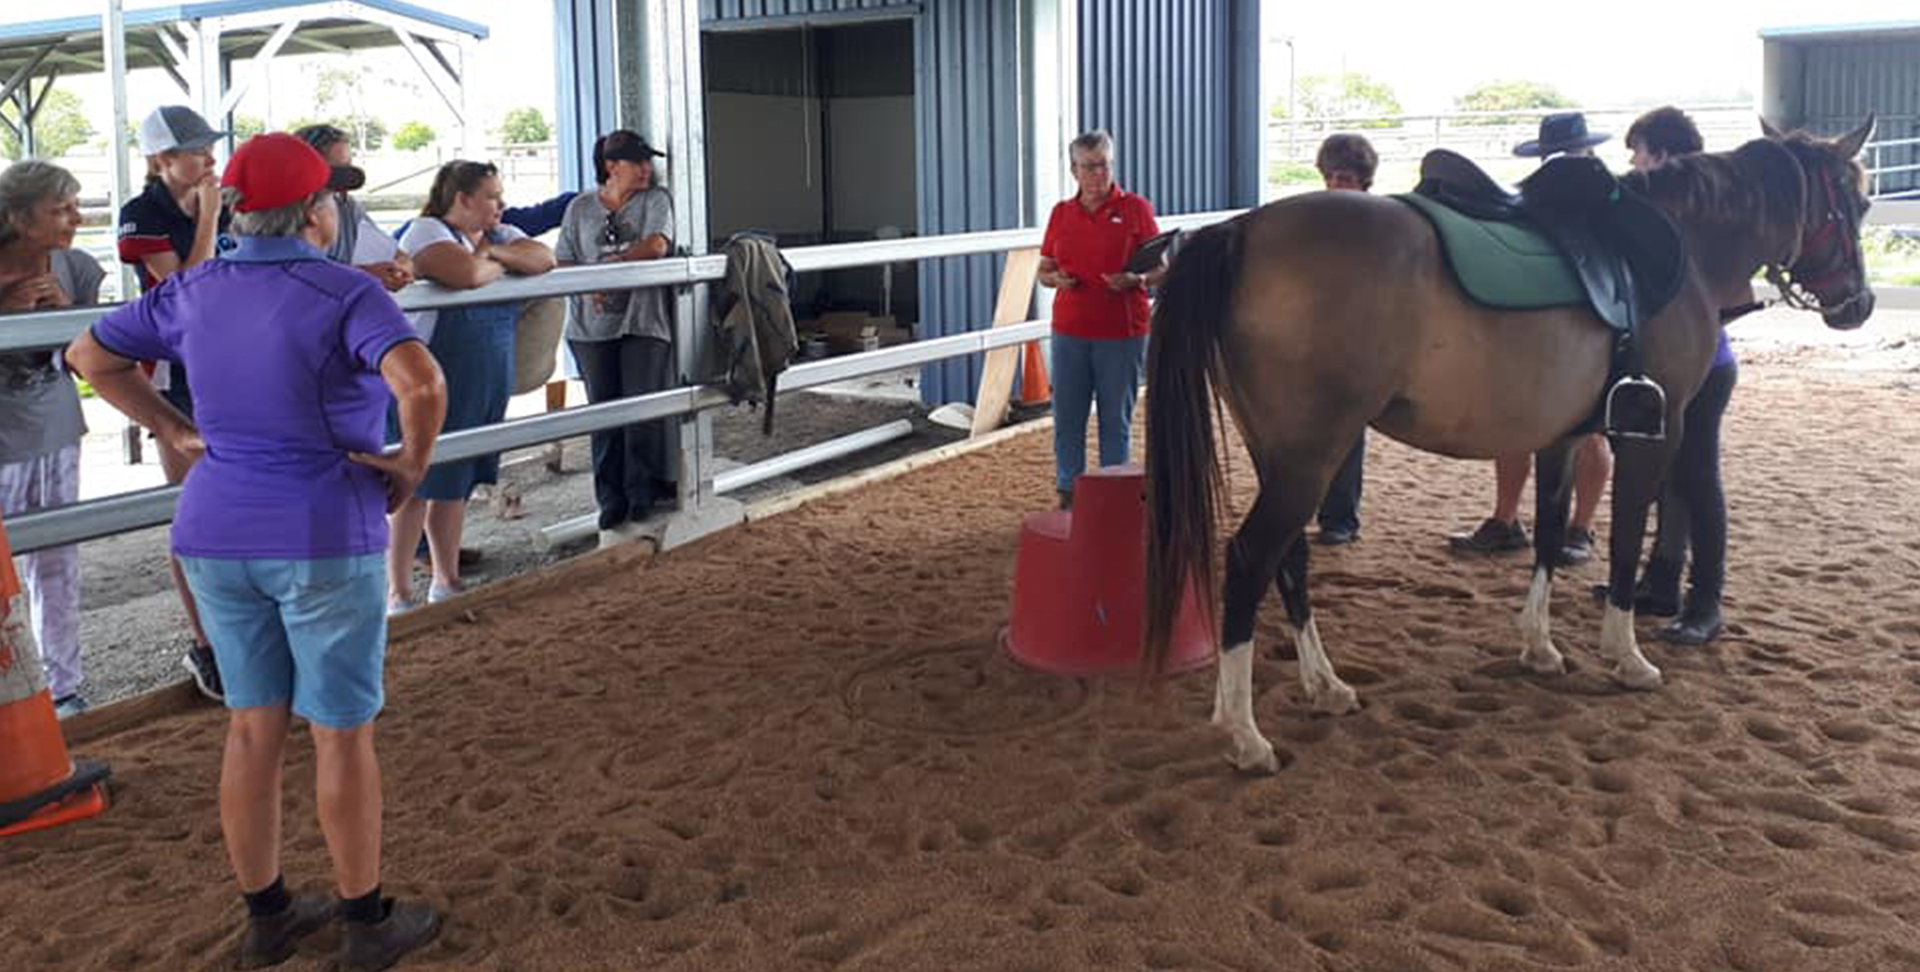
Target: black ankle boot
pixel 1658 592
pixel 1698 624
pixel 373 946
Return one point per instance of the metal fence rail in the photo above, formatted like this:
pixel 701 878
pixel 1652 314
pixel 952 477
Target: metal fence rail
pixel 51 329
pixel 126 512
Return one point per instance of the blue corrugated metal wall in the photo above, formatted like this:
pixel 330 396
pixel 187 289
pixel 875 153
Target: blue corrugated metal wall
pixel 1177 81
pixel 587 95
pixel 1177 84
pixel 967 101
pixel 1845 81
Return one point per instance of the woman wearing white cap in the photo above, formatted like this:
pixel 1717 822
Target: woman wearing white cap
pixel 172 225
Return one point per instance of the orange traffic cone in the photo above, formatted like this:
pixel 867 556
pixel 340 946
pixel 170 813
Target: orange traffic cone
pixel 39 786
pixel 1034 388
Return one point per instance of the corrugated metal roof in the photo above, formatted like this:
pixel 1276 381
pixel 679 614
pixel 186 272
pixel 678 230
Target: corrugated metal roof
pixel 40 31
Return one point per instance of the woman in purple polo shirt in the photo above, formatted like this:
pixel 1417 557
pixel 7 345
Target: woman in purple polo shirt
pixel 282 524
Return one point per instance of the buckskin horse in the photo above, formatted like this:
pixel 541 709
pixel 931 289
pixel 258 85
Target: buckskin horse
pixel 1316 316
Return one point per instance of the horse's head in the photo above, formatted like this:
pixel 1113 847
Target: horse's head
pixel 1826 272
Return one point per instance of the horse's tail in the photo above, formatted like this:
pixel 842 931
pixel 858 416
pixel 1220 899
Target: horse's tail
pixel 1184 484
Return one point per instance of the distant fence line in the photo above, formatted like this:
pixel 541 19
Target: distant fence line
pixel 1485 134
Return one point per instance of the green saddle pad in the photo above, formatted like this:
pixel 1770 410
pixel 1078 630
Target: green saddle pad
pixel 1503 265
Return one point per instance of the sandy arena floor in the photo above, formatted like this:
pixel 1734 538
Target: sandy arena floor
pixel 794 746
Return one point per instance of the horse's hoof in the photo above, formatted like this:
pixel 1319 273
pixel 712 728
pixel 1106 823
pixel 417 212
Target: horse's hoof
pixel 1640 678
pixel 1255 756
pixel 1547 662
pixel 1338 700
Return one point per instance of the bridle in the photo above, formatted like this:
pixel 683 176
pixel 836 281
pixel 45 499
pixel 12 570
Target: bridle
pixel 1827 243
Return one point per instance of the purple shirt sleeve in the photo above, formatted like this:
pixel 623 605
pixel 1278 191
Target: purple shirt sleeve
pixel 135 330
pixel 374 325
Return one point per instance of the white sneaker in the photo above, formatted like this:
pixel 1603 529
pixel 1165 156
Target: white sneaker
pixel 436 593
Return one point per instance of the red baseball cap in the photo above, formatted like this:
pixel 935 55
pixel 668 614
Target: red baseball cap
pixel 277 169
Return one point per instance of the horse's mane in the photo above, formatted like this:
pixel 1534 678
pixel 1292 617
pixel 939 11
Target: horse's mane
pixel 1761 185
pixel 1697 187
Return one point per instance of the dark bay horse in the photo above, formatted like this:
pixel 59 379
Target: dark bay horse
pixel 1319 315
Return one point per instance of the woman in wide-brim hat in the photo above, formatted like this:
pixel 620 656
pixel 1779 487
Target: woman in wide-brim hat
pixel 1560 133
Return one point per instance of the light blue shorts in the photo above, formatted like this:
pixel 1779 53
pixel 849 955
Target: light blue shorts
pixel 312 633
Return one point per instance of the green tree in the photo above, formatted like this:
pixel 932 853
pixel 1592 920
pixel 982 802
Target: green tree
pixel 413 136
pixel 60 126
pixel 364 131
pixel 525 126
pixel 247 126
pixel 1346 95
pixel 1511 95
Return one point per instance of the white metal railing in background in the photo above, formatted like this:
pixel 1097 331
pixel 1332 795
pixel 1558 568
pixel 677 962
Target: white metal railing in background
pixel 1876 167
pixel 1483 134
pixel 113 515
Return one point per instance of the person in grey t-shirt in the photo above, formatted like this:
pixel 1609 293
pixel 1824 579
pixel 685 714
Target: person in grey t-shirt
pixel 623 340
pixel 40 419
pixel 394 272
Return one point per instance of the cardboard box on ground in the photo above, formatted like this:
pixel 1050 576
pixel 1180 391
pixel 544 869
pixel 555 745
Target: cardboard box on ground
pixel 850 331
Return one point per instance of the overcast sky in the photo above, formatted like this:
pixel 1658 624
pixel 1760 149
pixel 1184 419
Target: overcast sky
pixel 1619 53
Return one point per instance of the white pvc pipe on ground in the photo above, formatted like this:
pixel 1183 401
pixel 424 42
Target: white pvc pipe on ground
pixel 582 527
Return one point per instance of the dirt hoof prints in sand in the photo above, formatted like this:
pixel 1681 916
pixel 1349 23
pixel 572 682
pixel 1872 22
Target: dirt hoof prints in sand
pixel 795 747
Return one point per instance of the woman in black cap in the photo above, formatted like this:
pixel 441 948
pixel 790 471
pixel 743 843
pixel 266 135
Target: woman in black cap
pixel 1561 133
pixel 623 340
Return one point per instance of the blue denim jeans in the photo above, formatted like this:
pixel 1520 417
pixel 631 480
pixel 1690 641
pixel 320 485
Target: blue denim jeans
pixel 1341 508
pixel 1086 370
pixel 311 634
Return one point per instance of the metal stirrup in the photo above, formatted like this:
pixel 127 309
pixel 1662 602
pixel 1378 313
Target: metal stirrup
pixel 1643 395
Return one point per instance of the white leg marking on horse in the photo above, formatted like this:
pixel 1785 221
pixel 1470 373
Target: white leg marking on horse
pixel 1324 688
pixel 1538 652
pixel 1233 705
pixel 1622 651
pixel 1219 717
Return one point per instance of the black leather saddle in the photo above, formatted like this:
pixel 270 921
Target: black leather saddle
pixel 1627 253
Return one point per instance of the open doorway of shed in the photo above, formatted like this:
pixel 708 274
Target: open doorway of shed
pixel 810 137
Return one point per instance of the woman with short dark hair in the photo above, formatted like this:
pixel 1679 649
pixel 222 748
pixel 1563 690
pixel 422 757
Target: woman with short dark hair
pixel 1662 134
pixel 1347 161
pixel 1693 504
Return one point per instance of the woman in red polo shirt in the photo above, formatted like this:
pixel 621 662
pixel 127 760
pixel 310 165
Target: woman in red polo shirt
pixel 1100 311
